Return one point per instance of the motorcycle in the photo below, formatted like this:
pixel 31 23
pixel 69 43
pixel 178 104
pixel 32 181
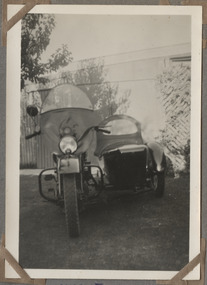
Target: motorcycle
pixel 91 156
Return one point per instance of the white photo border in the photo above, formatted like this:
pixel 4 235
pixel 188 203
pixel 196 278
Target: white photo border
pixel 13 142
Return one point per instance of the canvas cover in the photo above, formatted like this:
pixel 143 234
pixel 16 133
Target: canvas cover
pixel 51 123
pixel 125 130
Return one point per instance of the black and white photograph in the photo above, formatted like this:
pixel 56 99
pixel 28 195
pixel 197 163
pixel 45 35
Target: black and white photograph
pixel 103 139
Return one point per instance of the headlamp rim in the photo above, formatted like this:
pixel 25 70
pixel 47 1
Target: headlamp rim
pixel 68 136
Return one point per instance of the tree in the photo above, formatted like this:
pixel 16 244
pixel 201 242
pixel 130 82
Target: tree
pixel 36 32
pixel 91 78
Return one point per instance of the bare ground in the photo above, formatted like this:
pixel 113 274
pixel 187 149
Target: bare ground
pixel 129 233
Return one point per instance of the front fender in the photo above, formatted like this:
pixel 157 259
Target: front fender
pixel 158 156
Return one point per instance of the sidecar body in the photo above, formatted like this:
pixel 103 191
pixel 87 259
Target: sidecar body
pixel 128 161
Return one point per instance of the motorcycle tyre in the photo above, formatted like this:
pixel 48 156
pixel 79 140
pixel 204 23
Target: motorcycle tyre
pixel 71 204
pixel 160 187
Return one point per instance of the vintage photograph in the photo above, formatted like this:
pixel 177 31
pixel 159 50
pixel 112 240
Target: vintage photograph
pixel 108 141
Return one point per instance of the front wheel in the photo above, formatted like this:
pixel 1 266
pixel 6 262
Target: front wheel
pixel 71 204
pixel 158 183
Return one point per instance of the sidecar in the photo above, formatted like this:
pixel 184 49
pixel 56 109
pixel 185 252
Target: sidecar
pixel 129 162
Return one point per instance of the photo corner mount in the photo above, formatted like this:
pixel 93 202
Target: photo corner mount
pixel 8 24
pixel 178 278
pixel 24 277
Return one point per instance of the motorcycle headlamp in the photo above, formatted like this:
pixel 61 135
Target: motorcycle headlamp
pixel 68 144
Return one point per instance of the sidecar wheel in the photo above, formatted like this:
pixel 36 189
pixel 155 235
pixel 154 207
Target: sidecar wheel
pixel 71 204
pixel 158 184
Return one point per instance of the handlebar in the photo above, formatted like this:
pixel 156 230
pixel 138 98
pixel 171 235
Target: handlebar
pixel 103 130
pixel 32 135
pixel 96 128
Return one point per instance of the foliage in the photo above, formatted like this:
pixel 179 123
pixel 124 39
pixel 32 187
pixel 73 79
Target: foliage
pixel 36 32
pixel 174 86
pixel 169 169
pixel 187 157
pixel 91 78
